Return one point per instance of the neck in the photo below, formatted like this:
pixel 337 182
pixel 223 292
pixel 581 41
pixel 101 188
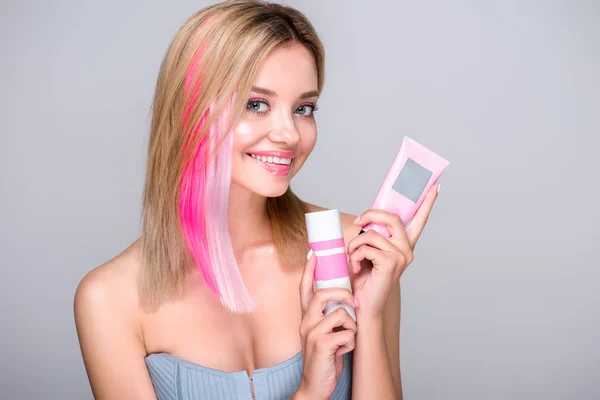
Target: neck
pixel 248 219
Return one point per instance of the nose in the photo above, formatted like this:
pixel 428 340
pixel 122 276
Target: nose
pixel 284 129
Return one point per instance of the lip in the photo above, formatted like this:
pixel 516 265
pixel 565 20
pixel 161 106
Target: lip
pixel 275 169
pixel 275 153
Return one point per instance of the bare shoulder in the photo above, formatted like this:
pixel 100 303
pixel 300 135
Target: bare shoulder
pixel 107 296
pixel 350 230
pixel 111 284
pixel 107 318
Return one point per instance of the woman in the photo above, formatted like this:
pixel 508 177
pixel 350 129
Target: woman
pixel 216 298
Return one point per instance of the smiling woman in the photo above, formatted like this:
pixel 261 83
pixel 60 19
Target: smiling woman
pixel 216 299
pixel 278 130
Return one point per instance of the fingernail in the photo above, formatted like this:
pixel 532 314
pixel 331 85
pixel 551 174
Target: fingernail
pixel 439 185
pixel 310 253
pixel 355 302
pixel 356 220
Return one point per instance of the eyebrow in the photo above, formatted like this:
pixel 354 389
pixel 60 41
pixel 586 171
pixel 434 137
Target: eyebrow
pixel 267 92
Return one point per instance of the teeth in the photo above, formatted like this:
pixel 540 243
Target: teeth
pixel 273 160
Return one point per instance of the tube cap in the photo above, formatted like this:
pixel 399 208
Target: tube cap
pixel 323 225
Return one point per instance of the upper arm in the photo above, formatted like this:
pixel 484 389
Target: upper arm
pixel 113 352
pixel 391 331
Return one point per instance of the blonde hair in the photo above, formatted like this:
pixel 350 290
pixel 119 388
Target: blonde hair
pixel 202 89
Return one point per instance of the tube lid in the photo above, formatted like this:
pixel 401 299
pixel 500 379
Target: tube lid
pixel 323 225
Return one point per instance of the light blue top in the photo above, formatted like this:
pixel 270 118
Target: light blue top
pixel 177 379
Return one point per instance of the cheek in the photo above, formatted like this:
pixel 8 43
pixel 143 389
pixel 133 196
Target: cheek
pixel 242 137
pixel 244 134
pixel 309 139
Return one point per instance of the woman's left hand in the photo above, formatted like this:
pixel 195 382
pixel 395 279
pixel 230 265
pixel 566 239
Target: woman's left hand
pixel 378 262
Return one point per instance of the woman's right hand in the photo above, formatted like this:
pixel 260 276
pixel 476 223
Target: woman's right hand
pixel 323 346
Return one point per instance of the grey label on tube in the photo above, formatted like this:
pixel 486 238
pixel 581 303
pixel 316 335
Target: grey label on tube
pixel 412 180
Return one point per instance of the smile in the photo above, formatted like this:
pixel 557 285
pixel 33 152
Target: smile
pixel 276 162
pixel 272 160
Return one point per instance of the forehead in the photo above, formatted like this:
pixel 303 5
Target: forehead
pixel 288 70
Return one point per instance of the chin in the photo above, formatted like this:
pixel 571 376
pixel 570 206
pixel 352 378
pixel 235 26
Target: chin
pixel 262 183
pixel 271 190
pixel 262 187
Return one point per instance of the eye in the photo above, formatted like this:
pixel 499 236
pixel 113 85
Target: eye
pixel 306 110
pixel 257 106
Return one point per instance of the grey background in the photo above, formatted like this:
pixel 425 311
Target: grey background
pixel 501 301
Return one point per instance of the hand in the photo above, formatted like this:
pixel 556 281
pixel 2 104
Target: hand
pixel 323 346
pixel 378 262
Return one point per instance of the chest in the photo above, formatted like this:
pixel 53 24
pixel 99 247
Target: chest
pixel 196 328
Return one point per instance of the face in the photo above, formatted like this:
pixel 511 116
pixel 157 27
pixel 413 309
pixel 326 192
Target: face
pixel 277 130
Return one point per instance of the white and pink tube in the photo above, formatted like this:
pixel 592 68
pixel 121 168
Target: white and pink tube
pixel 414 170
pixel 326 239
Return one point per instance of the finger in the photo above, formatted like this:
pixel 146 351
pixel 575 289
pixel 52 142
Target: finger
pixel 343 350
pixel 376 256
pixel 420 219
pixel 392 221
pixel 322 296
pixel 307 281
pixel 330 343
pixel 339 317
pixel 371 238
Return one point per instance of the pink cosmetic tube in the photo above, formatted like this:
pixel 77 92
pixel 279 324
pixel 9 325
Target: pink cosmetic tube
pixel 326 239
pixel 414 171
